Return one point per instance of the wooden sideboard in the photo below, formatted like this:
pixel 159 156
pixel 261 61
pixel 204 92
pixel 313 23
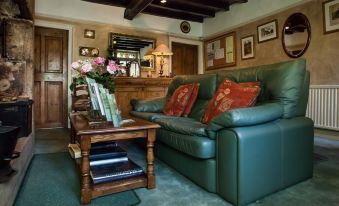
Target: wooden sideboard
pixel 127 88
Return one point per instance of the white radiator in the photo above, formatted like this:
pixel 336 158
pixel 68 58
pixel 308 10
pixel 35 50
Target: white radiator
pixel 322 106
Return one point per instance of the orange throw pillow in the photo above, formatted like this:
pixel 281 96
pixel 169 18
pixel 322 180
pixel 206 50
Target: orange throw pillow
pixel 179 100
pixel 191 100
pixel 231 95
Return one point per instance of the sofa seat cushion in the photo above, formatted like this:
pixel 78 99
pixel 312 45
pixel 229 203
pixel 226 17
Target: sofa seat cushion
pixel 196 146
pixel 182 125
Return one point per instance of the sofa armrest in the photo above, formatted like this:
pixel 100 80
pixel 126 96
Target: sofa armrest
pixel 247 116
pixel 151 105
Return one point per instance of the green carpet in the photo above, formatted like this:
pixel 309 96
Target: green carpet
pixel 52 180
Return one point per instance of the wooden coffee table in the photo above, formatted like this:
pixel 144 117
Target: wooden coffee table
pixel 85 135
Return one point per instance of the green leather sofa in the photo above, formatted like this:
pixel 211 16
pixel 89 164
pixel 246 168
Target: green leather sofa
pixel 243 154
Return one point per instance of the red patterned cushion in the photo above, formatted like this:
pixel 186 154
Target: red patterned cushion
pixel 179 100
pixel 191 100
pixel 231 95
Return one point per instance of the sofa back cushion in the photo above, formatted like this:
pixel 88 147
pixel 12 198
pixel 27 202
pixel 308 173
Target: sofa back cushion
pixel 283 82
pixel 207 89
pixel 207 84
pixel 231 95
pixel 179 100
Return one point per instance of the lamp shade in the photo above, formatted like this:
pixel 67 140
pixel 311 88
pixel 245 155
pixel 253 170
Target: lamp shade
pixel 149 54
pixel 162 50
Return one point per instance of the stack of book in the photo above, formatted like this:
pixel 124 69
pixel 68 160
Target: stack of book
pixel 103 102
pixel 109 162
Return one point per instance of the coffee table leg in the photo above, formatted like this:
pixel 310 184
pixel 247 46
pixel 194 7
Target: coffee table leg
pixel 150 159
pixel 72 140
pixel 86 193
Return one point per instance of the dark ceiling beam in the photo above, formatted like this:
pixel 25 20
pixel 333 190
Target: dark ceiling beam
pixel 237 1
pixel 173 14
pixel 216 5
pixel 184 8
pixel 118 3
pixel 135 7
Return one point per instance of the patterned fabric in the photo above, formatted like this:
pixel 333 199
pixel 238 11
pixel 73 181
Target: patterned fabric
pixel 191 100
pixel 179 100
pixel 231 95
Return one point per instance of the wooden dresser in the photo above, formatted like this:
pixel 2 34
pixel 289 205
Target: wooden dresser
pixel 127 88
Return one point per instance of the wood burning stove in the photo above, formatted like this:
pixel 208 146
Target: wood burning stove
pixel 8 139
pixel 18 114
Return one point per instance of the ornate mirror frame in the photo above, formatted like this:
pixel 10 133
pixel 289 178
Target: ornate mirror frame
pixel 287 29
pixel 133 44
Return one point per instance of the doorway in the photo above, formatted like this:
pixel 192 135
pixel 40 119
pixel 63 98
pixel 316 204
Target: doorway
pixel 50 77
pixel 184 59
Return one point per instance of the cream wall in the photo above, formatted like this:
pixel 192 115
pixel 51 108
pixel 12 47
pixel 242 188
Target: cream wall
pixel 91 12
pixel 240 14
pixel 321 55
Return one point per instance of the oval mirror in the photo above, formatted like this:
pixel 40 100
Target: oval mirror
pixel 296 35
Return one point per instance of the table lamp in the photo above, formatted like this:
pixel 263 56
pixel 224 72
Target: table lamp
pixel 162 50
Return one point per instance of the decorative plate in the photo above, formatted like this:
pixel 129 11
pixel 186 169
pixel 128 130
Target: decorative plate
pixel 185 27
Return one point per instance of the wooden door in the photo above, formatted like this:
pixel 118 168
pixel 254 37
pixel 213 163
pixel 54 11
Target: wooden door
pixel 50 77
pixel 184 59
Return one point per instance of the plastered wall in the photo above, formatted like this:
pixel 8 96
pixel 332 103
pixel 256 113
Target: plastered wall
pixel 101 40
pixel 322 55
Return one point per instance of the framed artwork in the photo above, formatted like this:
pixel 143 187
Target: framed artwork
pixel 267 31
pixel 331 16
pixel 88 51
pixel 89 33
pixel 247 47
pixel 220 51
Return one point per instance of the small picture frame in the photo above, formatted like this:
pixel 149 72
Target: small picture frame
pixel 331 16
pixel 88 33
pixel 88 51
pixel 247 47
pixel 267 31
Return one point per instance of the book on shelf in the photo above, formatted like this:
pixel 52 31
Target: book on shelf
pixel 106 144
pixel 117 171
pixel 108 161
pixel 106 153
pixel 74 150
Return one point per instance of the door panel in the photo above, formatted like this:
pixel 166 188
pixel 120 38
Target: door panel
pixel 184 59
pixel 50 77
pixel 53 105
pixel 53 54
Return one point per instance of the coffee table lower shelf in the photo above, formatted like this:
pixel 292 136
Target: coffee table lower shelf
pixel 115 186
pixel 118 186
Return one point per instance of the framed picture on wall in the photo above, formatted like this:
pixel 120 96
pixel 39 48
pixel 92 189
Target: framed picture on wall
pixel 88 33
pixel 247 47
pixel 331 16
pixel 88 51
pixel 220 51
pixel 267 31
